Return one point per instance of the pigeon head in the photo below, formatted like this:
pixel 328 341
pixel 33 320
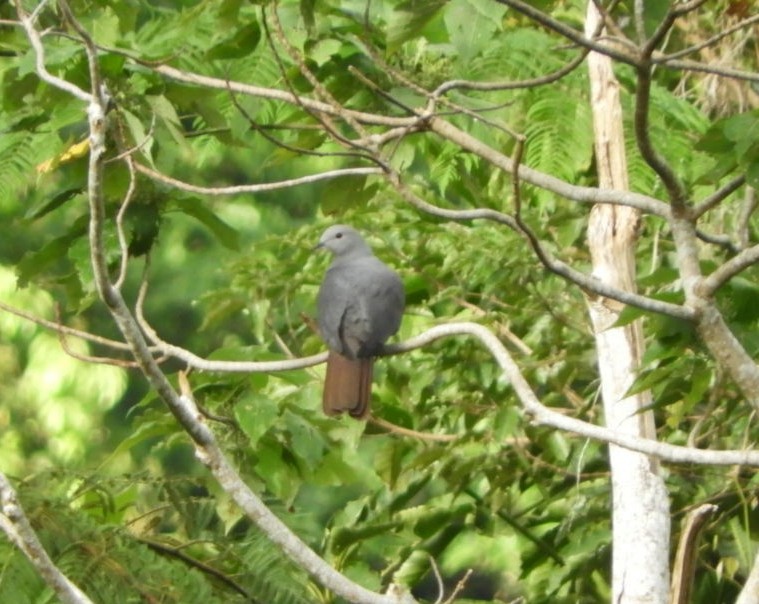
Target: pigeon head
pixel 343 240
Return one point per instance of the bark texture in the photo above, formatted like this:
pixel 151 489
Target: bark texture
pixel 640 516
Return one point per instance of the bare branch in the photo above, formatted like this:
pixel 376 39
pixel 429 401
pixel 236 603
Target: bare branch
pixel 725 72
pixel 540 413
pixel 401 431
pixel 196 362
pixel 123 245
pixel 672 183
pixel 86 357
pixel 269 93
pixel 568 32
pixel 211 455
pixel 459 586
pixel 661 31
pixel 591 195
pixel 439 580
pixel 586 282
pixel 718 196
pixel 728 270
pixel 27 21
pixel 176 552
pixel 722 241
pixel 441 127
pixel 546 416
pixel 319 88
pixel 510 85
pixel 687 550
pixel 259 188
pixel 96 83
pixel 63 329
pixel 750 203
pixel 709 41
pixel 262 130
pixel 15 524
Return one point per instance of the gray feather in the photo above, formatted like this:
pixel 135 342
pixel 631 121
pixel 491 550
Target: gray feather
pixel 361 300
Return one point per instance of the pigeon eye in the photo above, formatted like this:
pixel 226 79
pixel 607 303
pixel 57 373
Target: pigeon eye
pixel 338 236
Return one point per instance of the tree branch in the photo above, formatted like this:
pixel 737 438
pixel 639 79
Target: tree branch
pixel 709 41
pixel 718 196
pixel 568 32
pixel 63 329
pixel 687 551
pixel 258 188
pixel 543 415
pixel 586 282
pixel 16 525
pixel 710 284
pixel 590 195
pixel 27 21
pixel 211 455
pixel 673 185
pixel 549 78
pixel 183 409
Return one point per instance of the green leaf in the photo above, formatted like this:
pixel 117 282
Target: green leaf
pixel 144 221
pixel 53 203
pixel 138 134
pixel 255 414
pixel 306 443
pixel 471 25
pixel 344 194
pixel 409 19
pixel 240 44
pixel 147 430
pixel 225 234
pixel 34 262
pixel 280 477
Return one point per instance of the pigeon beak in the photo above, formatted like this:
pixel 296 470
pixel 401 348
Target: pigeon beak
pixel 318 246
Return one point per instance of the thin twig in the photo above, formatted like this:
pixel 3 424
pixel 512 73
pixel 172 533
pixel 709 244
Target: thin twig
pixel 750 204
pixel 258 188
pixel 671 182
pixel 549 78
pixel 64 329
pixel 400 430
pixel 728 270
pixel 27 21
pixel 718 196
pixel 459 587
pixel 710 41
pixel 438 579
pixel 86 357
pixel 176 552
pixel 586 282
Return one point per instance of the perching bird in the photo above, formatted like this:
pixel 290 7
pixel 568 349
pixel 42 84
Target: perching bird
pixel 360 306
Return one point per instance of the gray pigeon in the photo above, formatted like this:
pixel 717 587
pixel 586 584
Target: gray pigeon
pixel 360 306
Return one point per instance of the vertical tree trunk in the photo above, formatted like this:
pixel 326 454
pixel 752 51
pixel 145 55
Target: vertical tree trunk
pixel 640 517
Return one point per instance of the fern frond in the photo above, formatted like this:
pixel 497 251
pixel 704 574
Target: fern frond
pixel 18 155
pixel 559 133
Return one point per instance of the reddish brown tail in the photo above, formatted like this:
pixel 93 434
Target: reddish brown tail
pixel 348 385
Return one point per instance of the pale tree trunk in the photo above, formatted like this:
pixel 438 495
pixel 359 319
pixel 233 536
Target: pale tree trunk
pixel 640 516
pixel 750 592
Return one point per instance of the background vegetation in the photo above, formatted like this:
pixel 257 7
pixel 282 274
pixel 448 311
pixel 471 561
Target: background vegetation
pixel 107 476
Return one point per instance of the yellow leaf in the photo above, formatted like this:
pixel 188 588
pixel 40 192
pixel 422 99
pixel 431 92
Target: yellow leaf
pixel 73 152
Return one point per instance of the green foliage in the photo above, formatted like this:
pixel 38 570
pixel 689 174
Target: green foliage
pixel 233 278
pixel 732 143
pixel 134 538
